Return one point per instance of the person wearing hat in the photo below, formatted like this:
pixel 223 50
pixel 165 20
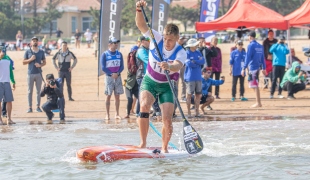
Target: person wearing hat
pixel 268 42
pixel 112 64
pixel 279 52
pixel 192 74
pixel 64 67
pixel 6 75
pixel 253 60
pixel 54 94
pixel 35 59
pixel 290 80
pixel 237 58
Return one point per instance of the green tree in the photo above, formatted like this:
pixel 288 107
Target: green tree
pixel 52 13
pixel 96 18
pixel 9 21
pixel 186 16
pixel 129 13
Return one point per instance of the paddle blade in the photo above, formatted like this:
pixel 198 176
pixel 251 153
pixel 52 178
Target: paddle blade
pixel 192 140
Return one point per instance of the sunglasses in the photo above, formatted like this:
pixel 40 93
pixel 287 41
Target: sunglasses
pixel 240 44
pixel 114 43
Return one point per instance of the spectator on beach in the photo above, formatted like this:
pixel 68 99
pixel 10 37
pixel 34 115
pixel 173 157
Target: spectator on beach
pixel 19 40
pixel 182 41
pixel 207 52
pixel 253 60
pixel 64 67
pixel 4 111
pixel 6 94
pixel 77 36
pixel 59 42
pixel 294 57
pixel 88 36
pixel 237 59
pixel 58 33
pixel 47 50
pixel 112 64
pixel 55 99
pixel 279 52
pixel 207 82
pixel 131 91
pixel 136 46
pixel 192 74
pixel 307 53
pixel 216 66
pixel 142 59
pixel 268 42
pixel 44 41
pixel 291 78
pixel 96 43
pixel 35 58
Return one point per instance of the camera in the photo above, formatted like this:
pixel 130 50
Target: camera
pixel 52 82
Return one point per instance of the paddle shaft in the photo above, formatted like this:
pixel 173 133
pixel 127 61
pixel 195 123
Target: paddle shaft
pixel 161 59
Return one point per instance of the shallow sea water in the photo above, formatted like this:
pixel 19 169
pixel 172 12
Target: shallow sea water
pixel 270 149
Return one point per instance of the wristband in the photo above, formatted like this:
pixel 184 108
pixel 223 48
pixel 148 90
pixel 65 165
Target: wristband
pixel 138 10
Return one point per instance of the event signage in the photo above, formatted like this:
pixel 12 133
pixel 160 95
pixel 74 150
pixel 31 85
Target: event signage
pixel 160 14
pixel 110 21
pixel 208 12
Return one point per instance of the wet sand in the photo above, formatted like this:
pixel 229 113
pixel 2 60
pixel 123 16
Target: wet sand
pixel 89 105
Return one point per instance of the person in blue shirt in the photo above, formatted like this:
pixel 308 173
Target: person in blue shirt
pixel 253 60
pixel 279 52
pixel 237 58
pixel 192 74
pixel 207 82
pixel 112 64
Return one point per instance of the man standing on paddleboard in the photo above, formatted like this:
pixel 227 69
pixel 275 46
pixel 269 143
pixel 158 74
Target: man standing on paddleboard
pixel 155 81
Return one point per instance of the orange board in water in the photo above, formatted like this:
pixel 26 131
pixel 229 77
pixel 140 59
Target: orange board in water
pixel 111 153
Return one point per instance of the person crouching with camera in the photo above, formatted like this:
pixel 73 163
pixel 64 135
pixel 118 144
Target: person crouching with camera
pixel 55 99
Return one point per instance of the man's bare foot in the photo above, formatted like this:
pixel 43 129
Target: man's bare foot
pixel 10 122
pixel 164 150
pixel 132 112
pixel 256 105
pixel 126 117
pixel 204 112
pixel 142 145
pixel 107 117
pixel 118 117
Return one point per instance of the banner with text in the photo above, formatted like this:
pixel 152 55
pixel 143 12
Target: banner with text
pixel 160 14
pixel 208 12
pixel 110 22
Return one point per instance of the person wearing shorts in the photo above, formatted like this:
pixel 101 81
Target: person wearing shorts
pixel 192 74
pixel 253 60
pixel 207 82
pixel 6 75
pixel 88 36
pixel 155 81
pixel 112 64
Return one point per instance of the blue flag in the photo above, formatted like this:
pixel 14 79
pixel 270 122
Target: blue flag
pixel 208 12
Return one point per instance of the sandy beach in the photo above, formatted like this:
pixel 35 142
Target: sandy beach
pixel 89 105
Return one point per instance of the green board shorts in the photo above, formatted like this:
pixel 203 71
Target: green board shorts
pixel 163 90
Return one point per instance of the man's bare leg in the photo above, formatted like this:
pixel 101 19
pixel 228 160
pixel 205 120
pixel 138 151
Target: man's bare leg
pixel 9 110
pixel 210 99
pixel 258 101
pixel 167 112
pixel 146 101
pixel 107 107
pixel 188 104
pixel 133 105
pixel 197 102
pixel 117 101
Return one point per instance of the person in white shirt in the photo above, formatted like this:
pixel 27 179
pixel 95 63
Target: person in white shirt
pixel 88 36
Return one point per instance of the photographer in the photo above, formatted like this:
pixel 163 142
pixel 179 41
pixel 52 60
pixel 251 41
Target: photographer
pixel 55 99
pixel 290 79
